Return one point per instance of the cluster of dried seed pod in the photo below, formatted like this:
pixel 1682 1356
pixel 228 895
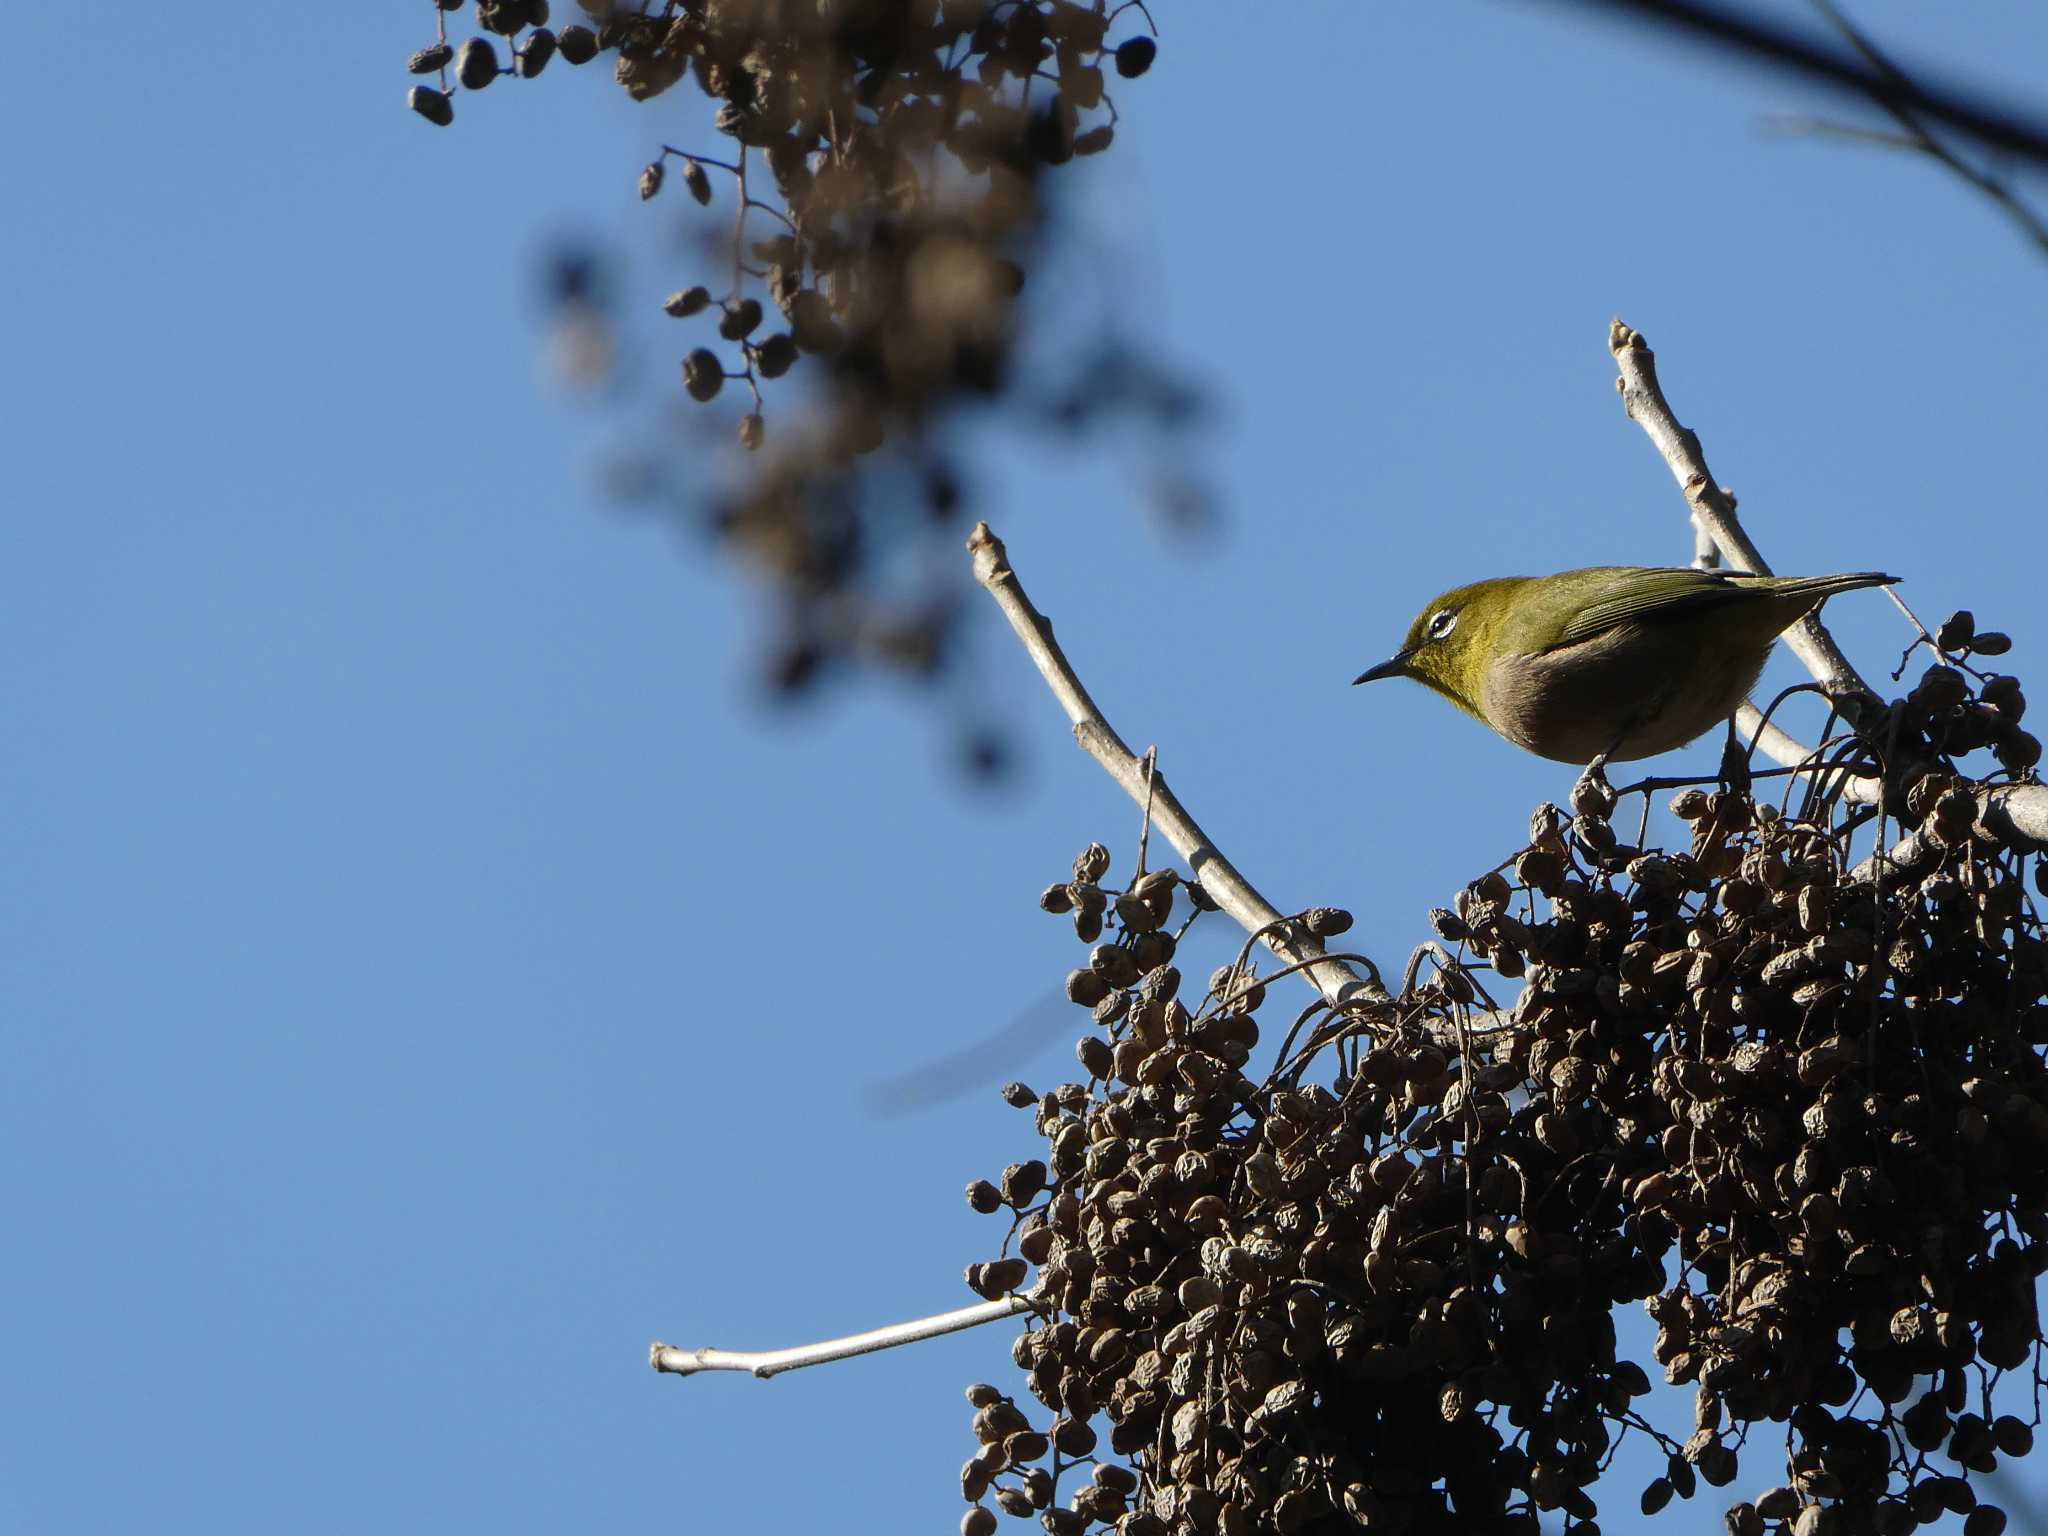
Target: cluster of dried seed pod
pixel 1799 1111
pixel 1856 1156
pixel 529 41
pixel 1957 718
pixel 879 175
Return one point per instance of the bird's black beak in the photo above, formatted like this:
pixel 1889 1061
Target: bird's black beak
pixel 1391 667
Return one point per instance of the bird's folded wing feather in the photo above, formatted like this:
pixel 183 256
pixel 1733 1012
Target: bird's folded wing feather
pixel 1648 594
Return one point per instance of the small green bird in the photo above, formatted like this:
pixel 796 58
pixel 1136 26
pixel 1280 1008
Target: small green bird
pixel 1610 663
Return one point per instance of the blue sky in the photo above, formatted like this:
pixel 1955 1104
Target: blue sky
pixel 431 973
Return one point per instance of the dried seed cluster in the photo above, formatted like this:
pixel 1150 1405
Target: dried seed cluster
pixel 1957 719
pixel 881 163
pixel 1799 1112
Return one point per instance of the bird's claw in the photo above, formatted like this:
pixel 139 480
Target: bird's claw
pixel 1735 763
pixel 1592 795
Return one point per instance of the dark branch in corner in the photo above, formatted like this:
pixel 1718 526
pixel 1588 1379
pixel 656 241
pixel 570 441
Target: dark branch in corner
pixel 1915 136
pixel 1898 90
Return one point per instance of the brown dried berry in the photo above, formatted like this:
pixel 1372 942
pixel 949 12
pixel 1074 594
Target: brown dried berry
pixel 1074 1437
pixel 535 52
pixel 2012 1435
pixel 650 180
pixel 1592 797
pixel 2003 694
pixel 435 106
pixel 427 60
pixel 1134 55
pixel 1152 950
pixel 698 183
pixel 1327 922
pixel 577 44
pixel 685 302
pixel 773 357
pixel 501 16
pixel 1086 987
pixel 995 1279
pixel 739 319
pixel 476 63
pixel 1940 688
pixel 1115 963
pixel 703 374
pixel 2018 750
pixel 1022 1182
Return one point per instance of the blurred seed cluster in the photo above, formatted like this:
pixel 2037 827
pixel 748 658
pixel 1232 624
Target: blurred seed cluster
pixel 1793 1104
pixel 879 172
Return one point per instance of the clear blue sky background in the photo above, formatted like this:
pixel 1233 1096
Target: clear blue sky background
pixel 428 973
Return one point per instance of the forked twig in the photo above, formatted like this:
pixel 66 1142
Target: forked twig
pixel 1713 517
pixel 2016 812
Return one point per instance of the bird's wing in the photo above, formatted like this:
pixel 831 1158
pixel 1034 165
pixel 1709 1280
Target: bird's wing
pixel 1646 593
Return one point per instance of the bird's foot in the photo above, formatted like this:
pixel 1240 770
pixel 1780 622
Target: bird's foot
pixel 1735 762
pixel 1592 795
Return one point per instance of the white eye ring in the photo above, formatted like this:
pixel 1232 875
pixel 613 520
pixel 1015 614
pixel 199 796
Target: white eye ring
pixel 1441 624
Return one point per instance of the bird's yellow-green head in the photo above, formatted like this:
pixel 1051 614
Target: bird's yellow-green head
pixel 1455 638
pixel 1615 661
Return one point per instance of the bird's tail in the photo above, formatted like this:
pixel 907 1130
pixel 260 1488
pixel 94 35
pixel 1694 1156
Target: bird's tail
pixel 1818 587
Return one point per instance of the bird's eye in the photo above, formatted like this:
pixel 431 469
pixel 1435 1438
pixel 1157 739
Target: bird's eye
pixel 1442 624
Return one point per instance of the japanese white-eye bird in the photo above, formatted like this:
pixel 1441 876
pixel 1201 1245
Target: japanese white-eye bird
pixel 1610 663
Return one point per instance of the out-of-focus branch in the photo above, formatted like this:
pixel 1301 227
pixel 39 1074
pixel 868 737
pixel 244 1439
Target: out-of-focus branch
pixel 1997 127
pixel 1915 135
pixel 773 1362
pixel 1713 518
pixel 1340 985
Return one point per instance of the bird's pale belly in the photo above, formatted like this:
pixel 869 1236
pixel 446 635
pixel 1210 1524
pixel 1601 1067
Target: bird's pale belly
pixel 1616 690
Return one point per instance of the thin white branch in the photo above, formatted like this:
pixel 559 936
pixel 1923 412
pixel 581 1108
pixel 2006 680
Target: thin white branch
pixel 1340 985
pixel 773 1362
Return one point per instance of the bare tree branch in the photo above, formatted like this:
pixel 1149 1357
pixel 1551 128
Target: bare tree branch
pixel 2013 814
pixel 773 1362
pixel 1340 985
pixel 1713 519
